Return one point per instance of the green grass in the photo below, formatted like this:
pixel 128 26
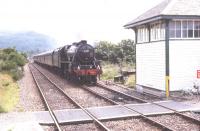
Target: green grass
pixel 130 82
pixel 9 93
pixel 112 70
pixel 109 71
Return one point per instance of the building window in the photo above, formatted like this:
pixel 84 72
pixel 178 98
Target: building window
pixel 178 29
pixel 190 29
pixel 157 31
pixel 197 29
pixel 184 29
pixel 172 29
pixel 143 34
pixel 175 29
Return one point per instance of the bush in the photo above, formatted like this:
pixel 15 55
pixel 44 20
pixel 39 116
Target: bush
pixel 12 62
pixel 17 58
pixel 9 65
pixel 16 74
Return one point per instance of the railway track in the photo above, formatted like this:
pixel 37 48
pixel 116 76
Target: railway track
pixel 145 95
pixel 117 101
pixel 146 101
pixel 184 116
pixel 141 95
pixel 83 97
pixel 113 103
pixel 131 97
pixel 58 126
pixel 119 98
pixel 46 103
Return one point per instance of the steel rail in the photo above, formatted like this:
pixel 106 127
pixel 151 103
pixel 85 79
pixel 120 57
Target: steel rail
pixel 149 94
pixel 121 93
pixel 53 116
pixel 175 111
pixel 141 114
pixel 100 124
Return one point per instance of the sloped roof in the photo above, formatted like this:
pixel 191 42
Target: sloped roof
pixel 169 8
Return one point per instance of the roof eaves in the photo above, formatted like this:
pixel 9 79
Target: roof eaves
pixel 128 26
pixel 132 25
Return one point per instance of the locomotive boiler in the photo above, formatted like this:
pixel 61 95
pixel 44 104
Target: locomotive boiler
pixel 76 61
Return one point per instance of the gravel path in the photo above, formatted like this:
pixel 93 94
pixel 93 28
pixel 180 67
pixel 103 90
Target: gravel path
pixel 176 122
pixel 131 125
pixel 30 99
pixel 80 127
pixel 83 97
pixel 54 97
pixel 17 121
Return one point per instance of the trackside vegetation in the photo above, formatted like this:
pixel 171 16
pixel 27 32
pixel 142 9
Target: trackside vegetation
pixel 116 57
pixel 11 70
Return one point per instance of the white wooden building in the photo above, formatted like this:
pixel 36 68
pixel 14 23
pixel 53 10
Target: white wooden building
pixel 168 45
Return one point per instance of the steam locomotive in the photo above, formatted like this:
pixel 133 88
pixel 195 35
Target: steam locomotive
pixel 76 61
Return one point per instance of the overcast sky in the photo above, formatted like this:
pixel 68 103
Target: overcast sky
pixel 73 20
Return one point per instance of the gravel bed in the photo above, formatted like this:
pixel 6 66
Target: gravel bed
pixel 176 122
pixel 55 98
pixel 83 97
pixel 80 127
pixel 128 91
pixel 30 99
pixel 192 114
pixel 114 96
pixel 131 125
pixel 181 96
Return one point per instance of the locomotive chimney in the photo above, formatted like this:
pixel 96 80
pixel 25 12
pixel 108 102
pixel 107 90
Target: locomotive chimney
pixel 83 41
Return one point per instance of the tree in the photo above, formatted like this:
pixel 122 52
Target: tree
pixel 128 49
pixel 116 53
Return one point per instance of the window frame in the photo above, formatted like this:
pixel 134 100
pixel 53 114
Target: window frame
pixel 142 34
pixel 157 30
pixel 186 30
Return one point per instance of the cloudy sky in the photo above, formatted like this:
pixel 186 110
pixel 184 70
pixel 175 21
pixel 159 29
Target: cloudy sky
pixel 72 20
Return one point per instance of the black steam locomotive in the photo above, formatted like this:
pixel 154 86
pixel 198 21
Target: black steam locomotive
pixel 76 61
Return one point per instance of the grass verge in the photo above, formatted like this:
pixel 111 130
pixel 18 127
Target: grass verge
pixel 109 71
pixel 130 82
pixel 9 93
pixel 112 70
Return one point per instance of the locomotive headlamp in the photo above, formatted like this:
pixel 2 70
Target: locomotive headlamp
pixel 98 67
pixel 78 67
